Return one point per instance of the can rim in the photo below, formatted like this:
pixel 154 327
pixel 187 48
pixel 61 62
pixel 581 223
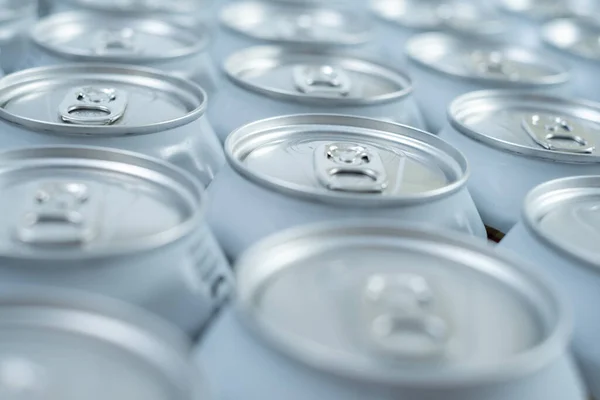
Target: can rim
pixel 524 363
pixel 383 128
pixel 527 15
pixel 14 80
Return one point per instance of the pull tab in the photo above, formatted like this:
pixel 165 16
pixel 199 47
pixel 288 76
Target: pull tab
pixel 93 106
pixel 56 218
pixel 493 64
pixel 350 167
pixel 324 80
pixel 557 133
pixel 297 27
pixel 121 42
pixel 401 323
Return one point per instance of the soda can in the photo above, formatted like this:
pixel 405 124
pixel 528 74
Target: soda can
pixel 126 107
pixel 71 345
pixel 114 223
pixel 445 66
pixel 268 81
pixel 575 41
pixel 16 19
pixel 377 311
pixel 515 140
pixel 289 170
pixel 121 39
pixel 559 231
pixel 249 23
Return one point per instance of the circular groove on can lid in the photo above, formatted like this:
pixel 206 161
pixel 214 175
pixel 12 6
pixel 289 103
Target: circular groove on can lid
pixel 346 160
pixel 90 37
pixel 296 23
pixel 88 202
pixel 399 305
pixel 316 76
pixel 485 61
pixel 565 213
pixel 535 125
pixel 575 36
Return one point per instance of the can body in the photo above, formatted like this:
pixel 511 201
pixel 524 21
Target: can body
pixel 578 282
pixel 584 77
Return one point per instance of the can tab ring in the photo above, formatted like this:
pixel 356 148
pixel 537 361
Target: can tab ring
pixel 493 64
pixel 93 106
pixel 401 323
pixel 120 42
pixel 324 80
pixel 350 167
pixel 556 133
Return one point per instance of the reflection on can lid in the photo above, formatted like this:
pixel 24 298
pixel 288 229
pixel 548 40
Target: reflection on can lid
pixel 398 305
pixel 64 202
pixel 485 61
pixel 57 100
pixel 576 36
pixel 554 128
pixel 349 160
pixel 301 24
pixel 566 213
pixel 44 333
pixel 144 6
pixel 84 36
pixel 316 75
pixel 538 9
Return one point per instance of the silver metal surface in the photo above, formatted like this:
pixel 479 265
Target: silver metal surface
pixel 576 36
pixel 538 9
pixel 485 61
pixel 343 159
pixel 559 129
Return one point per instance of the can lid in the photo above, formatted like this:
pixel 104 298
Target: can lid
pixel 485 61
pixel 90 37
pixel 99 99
pixel 576 36
pixel 565 213
pixel 296 24
pixel 536 125
pixel 144 6
pixel 69 345
pixel 346 160
pixel 399 305
pixel 86 202
pixel 538 9
pixel 316 76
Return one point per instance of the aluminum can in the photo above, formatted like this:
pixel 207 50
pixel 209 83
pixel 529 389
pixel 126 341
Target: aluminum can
pixel 290 170
pixel 269 81
pixel 16 18
pixel 381 312
pixel 445 66
pixel 130 108
pixel 123 39
pixel 575 41
pixel 71 345
pixel 114 223
pixel 250 23
pixel 516 140
pixel 559 232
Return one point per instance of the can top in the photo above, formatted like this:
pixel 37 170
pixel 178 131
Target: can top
pixel 575 36
pixel 554 128
pixel 144 6
pixel 99 100
pixel 399 305
pixel 92 37
pixel 296 24
pixel 44 334
pixel 565 213
pixel 315 76
pixel 76 202
pixel 538 10
pixel 346 160
pixel 485 61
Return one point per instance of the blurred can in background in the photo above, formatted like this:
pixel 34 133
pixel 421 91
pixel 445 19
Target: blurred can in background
pixel 559 231
pixel 445 66
pixel 290 170
pixel 72 345
pixel 576 41
pixel 125 107
pixel 114 223
pixel 123 39
pixel 381 312
pixel 16 19
pixel 515 140
pixel 269 81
